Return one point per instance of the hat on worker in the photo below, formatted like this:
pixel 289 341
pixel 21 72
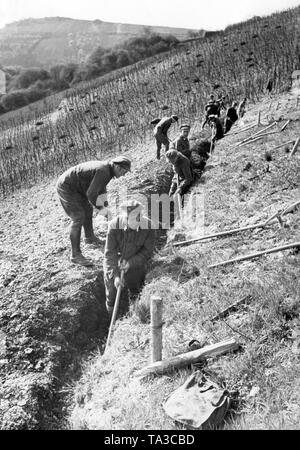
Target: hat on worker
pixel 122 161
pixel 174 118
pixel 130 205
pixel 185 126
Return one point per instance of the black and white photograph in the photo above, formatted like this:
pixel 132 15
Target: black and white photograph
pixel 150 218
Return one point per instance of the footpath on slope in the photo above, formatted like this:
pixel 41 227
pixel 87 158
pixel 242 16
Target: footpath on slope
pixel 241 185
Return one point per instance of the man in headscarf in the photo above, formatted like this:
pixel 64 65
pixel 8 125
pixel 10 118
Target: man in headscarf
pixel 129 246
pixel 161 133
pixel 181 143
pixel 81 188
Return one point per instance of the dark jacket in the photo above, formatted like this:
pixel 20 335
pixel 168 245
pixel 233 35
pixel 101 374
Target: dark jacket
pixel 182 145
pixel 163 125
pixel 182 169
pixel 212 108
pixel 136 246
pixel 232 114
pixel 89 179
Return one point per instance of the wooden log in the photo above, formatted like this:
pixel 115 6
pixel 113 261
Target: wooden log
pixel 186 359
pixel 285 125
pixel 295 147
pixel 156 328
pixel 233 307
pixel 255 255
pixel 221 233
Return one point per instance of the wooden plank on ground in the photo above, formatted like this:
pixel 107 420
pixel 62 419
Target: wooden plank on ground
pixel 185 359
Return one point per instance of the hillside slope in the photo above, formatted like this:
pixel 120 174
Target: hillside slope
pixel 240 186
pixel 53 40
pixel 52 314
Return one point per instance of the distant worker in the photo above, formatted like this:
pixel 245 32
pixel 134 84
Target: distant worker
pixel 269 86
pixel 216 127
pixel 181 144
pixel 129 246
pixel 212 108
pixel 161 133
pixel 242 108
pixel 231 117
pixel 183 176
pixel 221 104
pixel 81 188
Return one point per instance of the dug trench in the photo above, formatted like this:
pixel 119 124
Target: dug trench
pixel 53 316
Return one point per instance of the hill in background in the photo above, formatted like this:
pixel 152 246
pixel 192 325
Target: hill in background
pixel 53 40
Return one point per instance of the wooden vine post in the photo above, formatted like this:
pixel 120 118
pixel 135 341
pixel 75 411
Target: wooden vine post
pixel 156 328
pixel 295 147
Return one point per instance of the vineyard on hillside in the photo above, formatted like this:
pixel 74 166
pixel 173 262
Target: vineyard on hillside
pixel 110 114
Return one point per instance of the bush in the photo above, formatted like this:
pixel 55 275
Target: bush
pixel 27 77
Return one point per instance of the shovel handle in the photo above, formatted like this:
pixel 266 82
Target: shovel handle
pixel 114 314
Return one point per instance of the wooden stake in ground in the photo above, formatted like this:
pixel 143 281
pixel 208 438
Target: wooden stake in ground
pixel 114 314
pixel 258 119
pixel 185 359
pixel 285 125
pixel 295 147
pixel 156 328
pixel 255 255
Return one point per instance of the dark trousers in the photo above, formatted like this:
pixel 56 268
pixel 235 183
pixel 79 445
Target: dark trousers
pixel 78 208
pixel 134 279
pixel 161 138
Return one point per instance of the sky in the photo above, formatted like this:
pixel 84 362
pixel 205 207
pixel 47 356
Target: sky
pixel 194 14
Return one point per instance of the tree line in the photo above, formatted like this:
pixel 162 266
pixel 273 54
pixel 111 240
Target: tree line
pixel 24 86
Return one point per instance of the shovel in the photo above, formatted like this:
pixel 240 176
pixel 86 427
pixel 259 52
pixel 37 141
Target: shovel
pixel 114 314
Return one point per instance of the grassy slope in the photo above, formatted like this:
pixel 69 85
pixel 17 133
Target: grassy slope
pixel 109 397
pixel 49 309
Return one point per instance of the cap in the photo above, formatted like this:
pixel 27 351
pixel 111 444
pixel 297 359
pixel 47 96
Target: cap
pixel 131 205
pixel 174 118
pixel 122 161
pixel 185 126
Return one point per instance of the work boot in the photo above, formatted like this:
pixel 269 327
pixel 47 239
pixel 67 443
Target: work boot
pixel 94 241
pixel 81 260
